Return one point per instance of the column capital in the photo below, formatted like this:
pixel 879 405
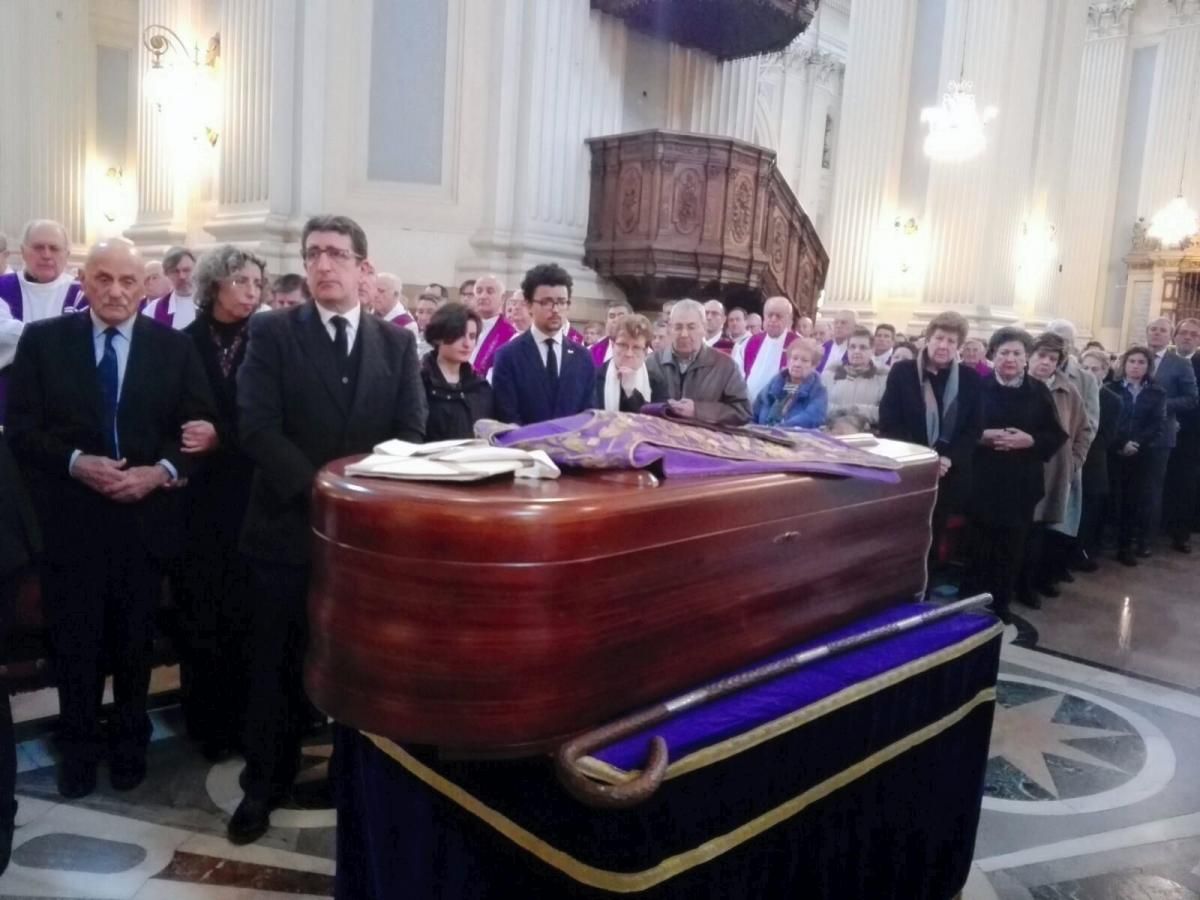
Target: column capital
pixel 1184 12
pixel 1110 18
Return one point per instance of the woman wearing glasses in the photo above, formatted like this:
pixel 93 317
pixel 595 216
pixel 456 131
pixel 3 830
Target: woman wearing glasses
pixel 623 383
pixel 215 583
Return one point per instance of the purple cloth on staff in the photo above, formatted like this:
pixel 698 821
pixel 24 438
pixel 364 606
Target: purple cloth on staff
pixel 735 714
pixel 608 440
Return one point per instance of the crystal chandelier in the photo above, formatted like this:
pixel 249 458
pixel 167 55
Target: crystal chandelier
pixel 956 127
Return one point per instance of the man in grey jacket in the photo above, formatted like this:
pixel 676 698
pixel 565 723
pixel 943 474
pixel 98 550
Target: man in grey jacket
pixel 1175 375
pixel 702 383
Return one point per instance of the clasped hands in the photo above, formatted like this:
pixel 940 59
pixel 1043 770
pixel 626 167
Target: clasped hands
pixel 1007 439
pixel 111 478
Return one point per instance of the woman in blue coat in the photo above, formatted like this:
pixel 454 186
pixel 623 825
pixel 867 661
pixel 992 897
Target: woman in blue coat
pixel 795 398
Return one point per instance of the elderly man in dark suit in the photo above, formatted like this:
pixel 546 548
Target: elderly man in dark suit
pixel 107 412
pixel 542 374
pixel 320 381
pixel 1183 469
pixel 1177 378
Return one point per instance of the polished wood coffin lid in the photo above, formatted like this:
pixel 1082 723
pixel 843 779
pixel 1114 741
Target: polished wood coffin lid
pixel 502 616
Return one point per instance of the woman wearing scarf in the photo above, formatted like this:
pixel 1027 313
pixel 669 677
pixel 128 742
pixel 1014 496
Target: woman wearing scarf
pixel 934 401
pixel 1020 435
pixel 623 383
pixel 215 580
pixel 795 398
pixel 1140 424
pixel 856 386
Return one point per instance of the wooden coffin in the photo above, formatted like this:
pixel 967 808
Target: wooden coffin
pixel 502 617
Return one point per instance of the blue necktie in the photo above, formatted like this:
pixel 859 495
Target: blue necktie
pixel 109 390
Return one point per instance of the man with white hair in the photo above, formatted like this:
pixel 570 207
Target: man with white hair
pixel 766 352
pixel 496 331
pixel 388 302
pixel 41 291
pixel 835 348
pixel 701 383
pixel 754 324
pixel 177 309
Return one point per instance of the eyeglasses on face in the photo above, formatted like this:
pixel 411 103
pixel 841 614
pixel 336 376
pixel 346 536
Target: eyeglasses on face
pixel 623 347
pixel 335 254
pixel 243 280
pixel 556 302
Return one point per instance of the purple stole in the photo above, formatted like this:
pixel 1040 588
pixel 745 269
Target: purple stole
pixel 10 293
pixel 598 350
pixel 724 345
pixel 574 334
pixel 501 333
pixel 162 312
pixel 755 344
pixel 401 320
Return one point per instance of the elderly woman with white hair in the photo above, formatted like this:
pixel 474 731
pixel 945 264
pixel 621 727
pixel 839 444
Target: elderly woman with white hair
pixel 216 580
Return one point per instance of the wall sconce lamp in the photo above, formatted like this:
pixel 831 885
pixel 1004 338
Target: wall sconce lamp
pixel 178 76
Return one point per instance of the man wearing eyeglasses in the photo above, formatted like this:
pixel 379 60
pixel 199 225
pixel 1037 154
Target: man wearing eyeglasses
pixel 542 374
pixel 702 383
pixel 320 381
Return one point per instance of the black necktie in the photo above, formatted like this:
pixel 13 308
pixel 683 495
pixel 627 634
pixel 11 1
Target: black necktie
pixel 110 385
pixel 341 346
pixel 551 362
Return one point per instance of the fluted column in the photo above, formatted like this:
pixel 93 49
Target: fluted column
pixel 869 148
pixel 551 102
pixel 48 70
pixel 1175 106
pixel 824 88
pixel 1095 161
pixel 974 208
pixel 162 157
pixel 255 195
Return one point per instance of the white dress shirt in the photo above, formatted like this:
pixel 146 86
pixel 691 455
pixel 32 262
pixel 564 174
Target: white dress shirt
pixel 353 317
pixel 539 338
pixel 485 328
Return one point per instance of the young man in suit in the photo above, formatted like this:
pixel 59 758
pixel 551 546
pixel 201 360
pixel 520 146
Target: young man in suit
pixel 107 412
pixel 1183 469
pixel 320 381
pixel 542 374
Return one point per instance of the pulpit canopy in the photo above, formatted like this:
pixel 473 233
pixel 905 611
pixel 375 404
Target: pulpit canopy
pixel 728 29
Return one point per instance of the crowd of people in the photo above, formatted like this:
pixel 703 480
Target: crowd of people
pixel 166 420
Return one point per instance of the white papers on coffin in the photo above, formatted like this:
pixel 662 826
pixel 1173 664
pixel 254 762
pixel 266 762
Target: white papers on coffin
pixel 464 460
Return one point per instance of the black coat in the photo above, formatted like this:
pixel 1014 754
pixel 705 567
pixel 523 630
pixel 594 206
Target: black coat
pixel 1008 484
pixel 294 416
pixel 55 408
pixel 20 538
pixel 1095 467
pixel 902 418
pixel 635 401
pixel 218 495
pixel 454 408
pixel 1142 420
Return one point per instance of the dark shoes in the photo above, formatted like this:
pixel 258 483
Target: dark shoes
pixel 76 778
pixel 1030 599
pixel 1084 562
pixel 250 821
pixel 1126 558
pixel 127 772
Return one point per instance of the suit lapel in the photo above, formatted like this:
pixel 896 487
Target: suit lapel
pixel 138 367
pixel 370 360
pixel 315 340
pixel 83 364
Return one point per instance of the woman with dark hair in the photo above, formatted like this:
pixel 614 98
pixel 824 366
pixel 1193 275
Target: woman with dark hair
pixel 1141 422
pixel 1020 435
pixel 458 397
pixel 215 577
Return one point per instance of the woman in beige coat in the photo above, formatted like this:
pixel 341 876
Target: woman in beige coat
pixel 855 386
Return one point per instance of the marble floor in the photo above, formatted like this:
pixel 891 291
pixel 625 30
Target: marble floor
pixel 1093 786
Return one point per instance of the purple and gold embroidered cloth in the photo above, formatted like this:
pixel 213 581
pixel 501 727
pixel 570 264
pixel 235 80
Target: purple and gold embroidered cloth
pixel 597 439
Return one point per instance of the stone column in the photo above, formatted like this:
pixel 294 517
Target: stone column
pixel 1176 104
pixel 48 71
pixel 1090 198
pixel 255 195
pixel 162 188
pixel 869 148
pixel 706 96
pixel 540 175
pixel 974 209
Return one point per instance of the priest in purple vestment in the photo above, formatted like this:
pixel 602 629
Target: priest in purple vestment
pixel 602 350
pixel 496 330
pixel 765 354
pixel 177 309
pixel 388 302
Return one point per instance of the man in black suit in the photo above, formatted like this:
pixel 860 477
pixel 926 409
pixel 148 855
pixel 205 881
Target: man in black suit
pixel 542 374
pixel 1177 378
pixel 934 401
pixel 1183 469
pixel 107 412
pixel 320 381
